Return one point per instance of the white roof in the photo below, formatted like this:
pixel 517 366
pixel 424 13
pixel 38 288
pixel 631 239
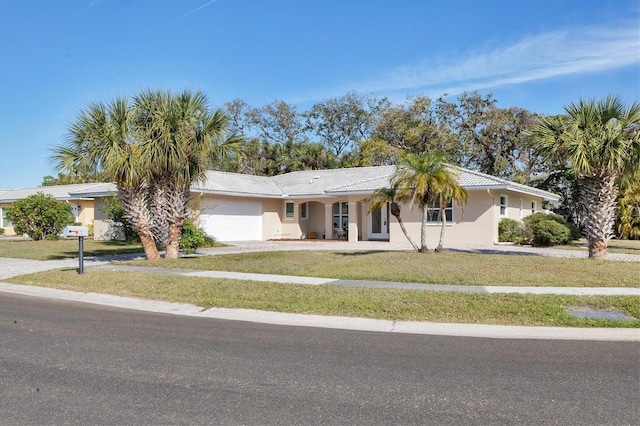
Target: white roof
pixel 60 192
pixel 304 184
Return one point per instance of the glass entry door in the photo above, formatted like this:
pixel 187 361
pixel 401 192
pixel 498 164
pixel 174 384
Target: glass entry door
pixel 379 224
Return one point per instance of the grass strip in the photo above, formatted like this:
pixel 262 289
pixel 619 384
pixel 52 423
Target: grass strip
pixel 390 304
pixel 443 268
pixel 64 249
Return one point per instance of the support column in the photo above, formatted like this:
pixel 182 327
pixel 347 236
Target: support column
pixel 353 221
pixel 328 221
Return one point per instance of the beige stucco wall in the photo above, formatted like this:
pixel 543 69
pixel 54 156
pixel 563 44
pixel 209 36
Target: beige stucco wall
pixel 85 211
pixel 477 224
pixel 474 225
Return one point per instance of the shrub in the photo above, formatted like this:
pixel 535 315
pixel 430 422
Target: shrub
pixel 531 222
pixel 115 211
pixel 39 216
pixel 1 231
pixel 509 230
pixel 550 233
pixel 193 238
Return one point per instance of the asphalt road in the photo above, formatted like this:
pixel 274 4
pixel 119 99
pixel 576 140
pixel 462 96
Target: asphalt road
pixel 67 362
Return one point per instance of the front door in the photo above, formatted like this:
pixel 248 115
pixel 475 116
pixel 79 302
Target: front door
pixel 379 224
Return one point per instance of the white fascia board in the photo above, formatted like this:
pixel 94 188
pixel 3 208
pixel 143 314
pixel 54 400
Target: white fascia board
pixel 547 196
pixel 236 194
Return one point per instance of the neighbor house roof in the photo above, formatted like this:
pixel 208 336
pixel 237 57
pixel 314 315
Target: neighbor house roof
pixel 60 192
pixel 303 184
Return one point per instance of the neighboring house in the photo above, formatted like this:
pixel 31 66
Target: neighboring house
pixel 330 204
pixel 81 207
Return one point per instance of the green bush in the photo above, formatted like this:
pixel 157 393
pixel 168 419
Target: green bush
pixel 115 211
pixel 39 216
pixel 531 222
pixel 1 231
pixel 509 230
pixel 193 238
pixel 550 233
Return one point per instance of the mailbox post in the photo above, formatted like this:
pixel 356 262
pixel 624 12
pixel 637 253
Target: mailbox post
pixel 80 232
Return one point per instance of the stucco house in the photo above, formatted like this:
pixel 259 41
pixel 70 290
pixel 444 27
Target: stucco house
pixel 329 204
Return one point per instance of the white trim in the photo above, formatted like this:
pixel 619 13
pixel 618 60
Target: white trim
pixel 521 208
pixel 293 210
pixel 504 206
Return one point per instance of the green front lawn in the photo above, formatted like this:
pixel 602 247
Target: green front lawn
pixel 444 268
pixel 64 249
pixel 400 305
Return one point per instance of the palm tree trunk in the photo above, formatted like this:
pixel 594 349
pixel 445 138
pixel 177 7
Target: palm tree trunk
pixel 443 219
pixel 599 192
pixel 177 212
pixel 134 202
pixel 423 231
pixel 173 241
pixel 406 234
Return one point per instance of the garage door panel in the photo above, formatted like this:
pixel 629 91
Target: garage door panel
pixel 233 220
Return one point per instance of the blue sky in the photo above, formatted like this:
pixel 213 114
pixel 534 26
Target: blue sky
pixel 57 56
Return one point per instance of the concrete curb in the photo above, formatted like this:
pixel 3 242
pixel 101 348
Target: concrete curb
pixel 343 323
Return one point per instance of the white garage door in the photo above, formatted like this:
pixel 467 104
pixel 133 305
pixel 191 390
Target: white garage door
pixel 233 220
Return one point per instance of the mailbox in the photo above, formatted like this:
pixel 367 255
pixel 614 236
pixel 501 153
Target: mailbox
pixel 75 231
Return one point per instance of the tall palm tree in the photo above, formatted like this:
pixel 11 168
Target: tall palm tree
pixel 417 180
pixel 449 191
pixel 600 141
pixel 179 137
pixel 379 200
pixel 628 208
pixel 102 139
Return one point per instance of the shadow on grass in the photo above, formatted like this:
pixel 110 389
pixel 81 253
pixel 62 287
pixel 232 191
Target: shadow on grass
pixel 491 251
pixel 359 253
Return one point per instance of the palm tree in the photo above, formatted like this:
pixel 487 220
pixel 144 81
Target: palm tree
pixel 179 138
pixel 102 140
pixel 600 141
pixel 418 180
pixel 379 200
pixel 449 191
pixel 628 209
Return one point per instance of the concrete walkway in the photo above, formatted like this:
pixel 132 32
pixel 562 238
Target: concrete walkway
pixel 13 267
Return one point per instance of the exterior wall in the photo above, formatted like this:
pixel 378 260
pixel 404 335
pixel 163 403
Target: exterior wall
pixel 316 218
pixel 290 227
pixel 103 227
pixel 86 211
pixel 474 225
pixel 477 224
pixel 272 213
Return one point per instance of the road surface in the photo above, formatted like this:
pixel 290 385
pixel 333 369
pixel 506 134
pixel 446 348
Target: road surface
pixel 68 362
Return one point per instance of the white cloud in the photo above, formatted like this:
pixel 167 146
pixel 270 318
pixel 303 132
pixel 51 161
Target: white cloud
pixel 536 57
pixel 553 54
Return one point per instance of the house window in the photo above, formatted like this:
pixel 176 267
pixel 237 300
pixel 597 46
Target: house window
pixel 341 215
pixel 288 210
pixel 6 223
pixel 304 213
pixel 534 207
pixel 504 201
pixel 433 213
